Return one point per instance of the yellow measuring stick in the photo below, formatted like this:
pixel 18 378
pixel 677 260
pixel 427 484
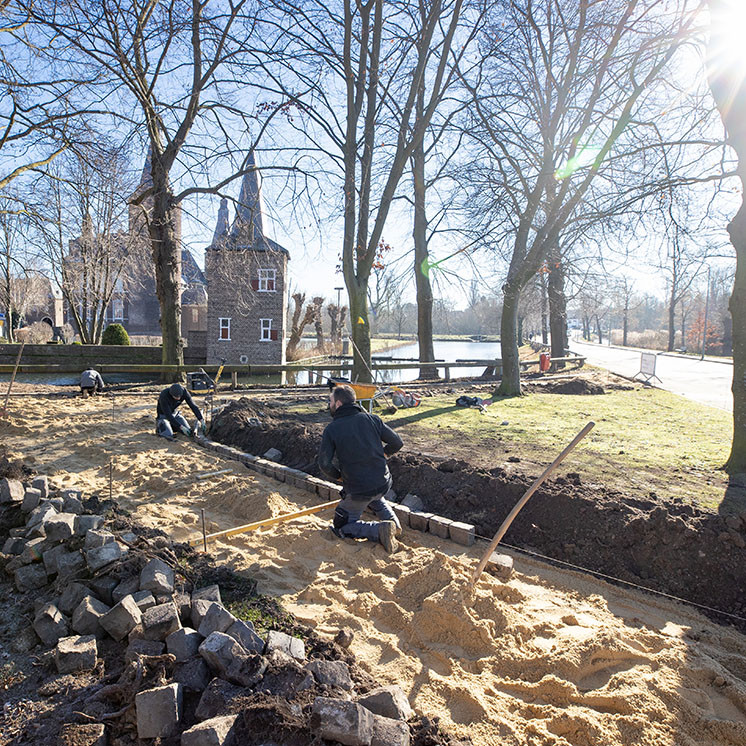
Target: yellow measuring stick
pixel 261 524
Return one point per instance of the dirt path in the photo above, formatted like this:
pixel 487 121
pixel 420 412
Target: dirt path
pixel 551 657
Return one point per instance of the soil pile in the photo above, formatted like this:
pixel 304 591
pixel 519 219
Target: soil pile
pixel 667 545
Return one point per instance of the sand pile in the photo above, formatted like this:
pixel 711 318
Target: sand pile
pixel 551 657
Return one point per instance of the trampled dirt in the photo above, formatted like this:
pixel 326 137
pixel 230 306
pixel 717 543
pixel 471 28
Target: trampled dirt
pixel 667 545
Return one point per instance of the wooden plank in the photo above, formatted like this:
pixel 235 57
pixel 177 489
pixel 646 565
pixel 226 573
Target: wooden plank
pixel 264 523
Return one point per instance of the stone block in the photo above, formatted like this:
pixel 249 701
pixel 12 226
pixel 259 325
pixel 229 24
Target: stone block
pixel 60 527
pixel 387 701
pixel 245 633
pixel 157 577
pixel 323 489
pixel 159 711
pixel 145 600
pixel 342 721
pixel 214 732
pixel 216 697
pixel 413 502
pixel 194 675
pixel 292 646
pixel 184 643
pixel 462 533
pixel 41 483
pixel 389 732
pixel 331 673
pixel 183 605
pixel 89 734
pixel 76 654
pixel 33 550
pixel 121 619
pixel 419 521
pixel 219 651
pixel 143 647
pixel 102 556
pixel 198 610
pixel 31 499
pixel 95 538
pixel 160 621
pixel 402 513
pixel 50 624
pixel 65 494
pixel 216 619
pixel 70 563
pixel 86 523
pixel 87 616
pixel 50 557
pixel 72 504
pixel 127 587
pixel 279 473
pixel 500 565
pixel 14 545
pixel 103 588
pixel 11 491
pixel 273 455
pixel 30 578
pixel 72 595
pixel 440 526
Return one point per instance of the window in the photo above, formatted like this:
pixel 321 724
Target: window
pixel 118 309
pixel 268 334
pixel 267 281
pixel 195 315
pixel 225 329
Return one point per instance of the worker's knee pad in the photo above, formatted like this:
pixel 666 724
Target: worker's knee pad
pixel 341 517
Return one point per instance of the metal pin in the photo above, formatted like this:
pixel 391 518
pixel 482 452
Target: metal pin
pixel 204 531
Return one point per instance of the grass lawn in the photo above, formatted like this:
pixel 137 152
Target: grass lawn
pixel 645 440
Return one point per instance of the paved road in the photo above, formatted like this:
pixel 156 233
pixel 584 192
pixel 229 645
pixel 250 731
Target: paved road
pixel 700 380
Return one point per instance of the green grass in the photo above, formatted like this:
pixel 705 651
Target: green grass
pixel 644 440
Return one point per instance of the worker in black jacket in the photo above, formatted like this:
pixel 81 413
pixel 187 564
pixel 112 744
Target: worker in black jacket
pixel 168 419
pixel 352 451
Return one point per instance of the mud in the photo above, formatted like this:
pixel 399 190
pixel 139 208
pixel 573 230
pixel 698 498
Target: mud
pixel 667 545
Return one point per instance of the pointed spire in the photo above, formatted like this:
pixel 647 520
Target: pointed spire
pixel 249 222
pixel 222 226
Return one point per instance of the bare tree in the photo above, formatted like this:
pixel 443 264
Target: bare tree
pixel 303 315
pixel 728 85
pixel 561 98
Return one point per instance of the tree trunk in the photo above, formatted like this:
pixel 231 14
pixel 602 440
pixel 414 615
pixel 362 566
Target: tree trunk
pixel 511 380
pixel 586 328
pixel 544 316
pixel 167 261
pixel 599 330
pixel 318 324
pixel 557 306
pixel 360 332
pixel 625 327
pixel 421 268
pixel 671 323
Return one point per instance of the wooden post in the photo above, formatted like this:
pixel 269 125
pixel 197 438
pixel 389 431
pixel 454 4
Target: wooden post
pixel 204 532
pixel 234 380
pixel 111 478
pixel 447 372
pixel 519 505
pixel 13 378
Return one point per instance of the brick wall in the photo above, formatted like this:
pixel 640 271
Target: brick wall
pixel 234 294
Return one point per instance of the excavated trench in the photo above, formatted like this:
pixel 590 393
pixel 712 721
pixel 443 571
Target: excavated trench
pixel 667 545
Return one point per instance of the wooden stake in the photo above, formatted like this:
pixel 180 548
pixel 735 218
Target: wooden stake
pixel 12 380
pixel 111 478
pixel 204 531
pixel 519 505
pixel 266 522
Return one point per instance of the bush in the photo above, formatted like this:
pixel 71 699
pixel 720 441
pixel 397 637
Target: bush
pixel 38 333
pixel 115 334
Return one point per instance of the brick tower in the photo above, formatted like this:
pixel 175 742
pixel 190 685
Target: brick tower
pixel 246 284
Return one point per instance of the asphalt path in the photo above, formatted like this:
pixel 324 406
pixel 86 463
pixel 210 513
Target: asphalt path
pixel 701 380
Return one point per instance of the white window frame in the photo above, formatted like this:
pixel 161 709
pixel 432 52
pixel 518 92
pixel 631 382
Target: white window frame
pixel 265 329
pixel 222 326
pixel 117 309
pixel 265 275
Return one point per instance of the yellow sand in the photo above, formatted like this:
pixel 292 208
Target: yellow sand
pixel 552 657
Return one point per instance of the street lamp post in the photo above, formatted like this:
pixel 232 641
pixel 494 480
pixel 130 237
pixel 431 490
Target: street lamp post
pixel 339 290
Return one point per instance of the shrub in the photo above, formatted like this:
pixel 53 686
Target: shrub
pixel 115 334
pixel 38 333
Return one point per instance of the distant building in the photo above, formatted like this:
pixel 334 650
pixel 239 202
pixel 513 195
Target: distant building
pixel 246 284
pixel 134 303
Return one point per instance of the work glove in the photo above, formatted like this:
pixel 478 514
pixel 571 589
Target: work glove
pixel 185 430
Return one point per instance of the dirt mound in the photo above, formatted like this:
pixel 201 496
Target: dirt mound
pixel 666 545
pixel 576 386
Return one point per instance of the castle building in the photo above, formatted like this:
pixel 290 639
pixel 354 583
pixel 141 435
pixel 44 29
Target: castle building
pixel 246 284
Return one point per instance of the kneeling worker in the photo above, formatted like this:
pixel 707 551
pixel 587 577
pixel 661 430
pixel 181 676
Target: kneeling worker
pixel 168 419
pixel 354 439
pixel 91 382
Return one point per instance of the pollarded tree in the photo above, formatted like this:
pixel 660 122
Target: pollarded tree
pixel 568 91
